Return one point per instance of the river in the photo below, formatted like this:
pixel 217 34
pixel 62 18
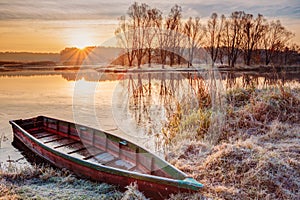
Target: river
pixel 133 105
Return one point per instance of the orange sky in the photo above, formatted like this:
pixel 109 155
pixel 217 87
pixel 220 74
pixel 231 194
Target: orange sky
pixel 52 36
pixel 52 25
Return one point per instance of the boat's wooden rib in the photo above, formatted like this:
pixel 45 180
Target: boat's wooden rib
pixel 37 131
pixel 49 138
pixel 101 156
pixel 132 168
pixel 55 140
pixel 63 145
pixel 77 150
pixel 81 155
pixel 43 135
pixel 70 147
pixel 94 155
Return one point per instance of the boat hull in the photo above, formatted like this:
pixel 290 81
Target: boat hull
pixel 154 188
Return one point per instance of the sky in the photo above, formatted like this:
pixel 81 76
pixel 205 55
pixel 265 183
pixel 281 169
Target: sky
pixel 52 25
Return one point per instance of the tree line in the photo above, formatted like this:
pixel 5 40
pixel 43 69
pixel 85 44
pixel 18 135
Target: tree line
pixel 147 36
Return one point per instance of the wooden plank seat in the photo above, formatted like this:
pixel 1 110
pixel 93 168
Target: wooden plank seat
pixel 93 155
pixel 67 143
pixel 70 147
pixel 77 150
pixel 56 140
pixel 34 132
pixel 50 138
pixel 43 135
pixel 81 154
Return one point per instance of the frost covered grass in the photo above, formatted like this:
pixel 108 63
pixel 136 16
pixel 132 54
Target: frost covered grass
pixel 41 182
pixel 256 153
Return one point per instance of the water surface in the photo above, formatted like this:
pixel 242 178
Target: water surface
pixel 133 105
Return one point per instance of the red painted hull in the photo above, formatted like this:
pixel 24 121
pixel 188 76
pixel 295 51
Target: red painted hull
pixel 153 189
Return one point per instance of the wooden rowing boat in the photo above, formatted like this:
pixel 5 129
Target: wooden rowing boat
pixel 101 156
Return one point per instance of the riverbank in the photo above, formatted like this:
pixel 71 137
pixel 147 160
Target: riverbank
pixel 52 66
pixel 45 182
pixel 256 153
pixel 72 73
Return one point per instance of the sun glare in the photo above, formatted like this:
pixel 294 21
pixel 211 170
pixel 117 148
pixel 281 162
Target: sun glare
pixel 81 39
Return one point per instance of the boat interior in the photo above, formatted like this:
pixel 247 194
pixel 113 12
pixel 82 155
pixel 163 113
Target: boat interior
pixel 96 146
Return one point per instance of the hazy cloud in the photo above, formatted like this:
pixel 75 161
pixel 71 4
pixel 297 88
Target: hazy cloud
pixel 59 10
pixel 96 9
pixel 48 25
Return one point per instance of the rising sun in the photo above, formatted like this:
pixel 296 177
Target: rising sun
pixel 81 39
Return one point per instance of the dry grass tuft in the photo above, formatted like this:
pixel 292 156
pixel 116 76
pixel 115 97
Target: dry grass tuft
pixel 249 169
pixel 7 191
pixel 132 193
pixel 257 117
pixel 44 182
pixel 14 172
pixel 184 196
pixel 257 153
pixel 40 182
pixel 239 96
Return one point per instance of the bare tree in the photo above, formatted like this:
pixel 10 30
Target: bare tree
pixel 138 15
pixel 215 28
pixel 162 40
pixel 253 30
pixel 173 23
pixel 178 45
pixel 233 35
pixel 221 54
pixel 153 16
pixel 146 33
pixel 195 32
pixel 125 35
pixel 275 39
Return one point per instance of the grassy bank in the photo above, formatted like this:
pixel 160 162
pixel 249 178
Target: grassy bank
pixel 39 182
pixel 256 153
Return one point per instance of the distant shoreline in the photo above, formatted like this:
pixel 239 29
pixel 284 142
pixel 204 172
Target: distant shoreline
pixel 52 66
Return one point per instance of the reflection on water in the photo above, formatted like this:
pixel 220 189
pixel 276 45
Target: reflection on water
pixel 143 102
pixel 135 105
pixel 27 96
pixel 245 80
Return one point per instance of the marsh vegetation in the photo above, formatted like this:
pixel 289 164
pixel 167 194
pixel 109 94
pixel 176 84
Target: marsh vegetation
pixel 255 155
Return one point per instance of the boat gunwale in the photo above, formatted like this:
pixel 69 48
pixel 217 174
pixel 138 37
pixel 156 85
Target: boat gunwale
pixel 187 182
